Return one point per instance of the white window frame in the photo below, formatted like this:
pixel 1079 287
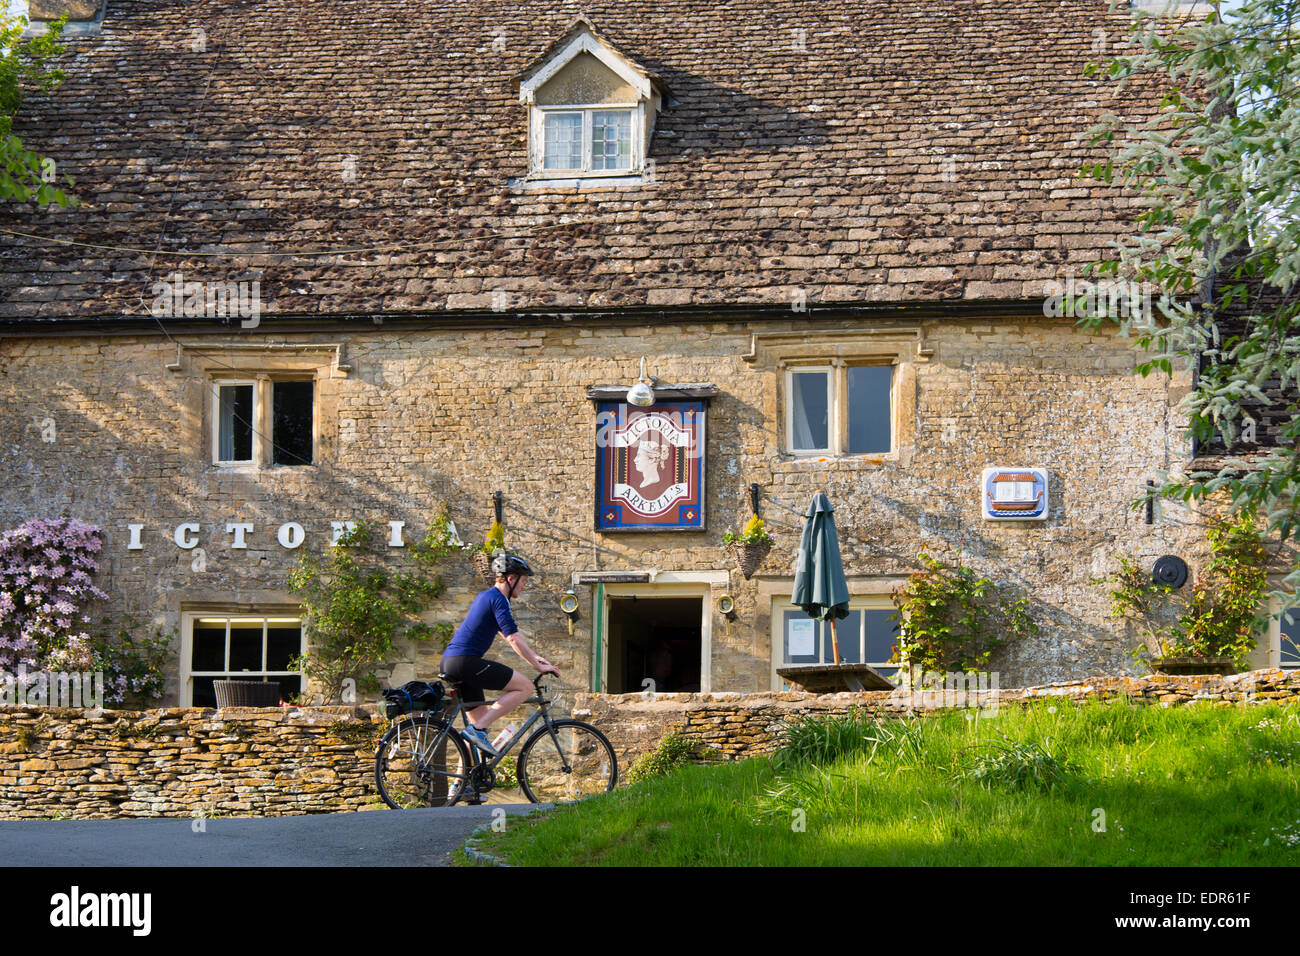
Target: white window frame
pixel 537 139
pixel 263 417
pixel 217 386
pixel 838 408
pixel 190 618
pixel 858 602
pixel 1272 645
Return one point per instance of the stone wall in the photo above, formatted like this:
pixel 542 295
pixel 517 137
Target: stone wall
pixel 73 764
pixel 737 726
pixel 115 430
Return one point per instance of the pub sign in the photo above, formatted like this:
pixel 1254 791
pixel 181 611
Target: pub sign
pixel 650 466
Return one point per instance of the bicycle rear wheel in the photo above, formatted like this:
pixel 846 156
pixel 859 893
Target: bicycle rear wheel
pixel 575 762
pixel 421 762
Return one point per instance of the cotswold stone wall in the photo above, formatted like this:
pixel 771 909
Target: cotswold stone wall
pixel 737 726
pixel 116 430
pixel 72 764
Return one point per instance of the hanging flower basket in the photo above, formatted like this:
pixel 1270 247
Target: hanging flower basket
pixel 482 562
pixel 749 555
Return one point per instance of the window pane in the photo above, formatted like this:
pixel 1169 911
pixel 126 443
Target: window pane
pixel 800 641
pixel 291 411
pixel 882 635
pixel 245 646
pixel 869 387
pixel 288 686
pixel 209 652
pixel 204 694
pixel 850 640
pixel 235 421
pixel 1291 638
pixel 611 139
pixel 562 133
pixel 283 644
pixel 810 410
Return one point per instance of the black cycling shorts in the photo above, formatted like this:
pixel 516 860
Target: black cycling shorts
pixel 475 675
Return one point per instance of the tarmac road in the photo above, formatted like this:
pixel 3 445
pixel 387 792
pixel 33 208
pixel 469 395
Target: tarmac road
pixel 370 838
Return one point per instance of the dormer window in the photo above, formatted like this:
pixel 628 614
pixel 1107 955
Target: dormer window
pixel 591 110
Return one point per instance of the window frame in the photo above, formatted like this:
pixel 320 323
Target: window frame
pixel 217 385
pixel 905 348
pixel 537 141
pixel 186 675
pixel 857 602
pixel 838 406
pixel 1272 644
pixel 263 445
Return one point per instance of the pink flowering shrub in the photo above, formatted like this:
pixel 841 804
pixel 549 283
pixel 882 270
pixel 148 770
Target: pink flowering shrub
pixel 45 585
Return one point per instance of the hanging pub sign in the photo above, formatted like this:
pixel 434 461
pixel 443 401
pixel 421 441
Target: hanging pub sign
pixel 650 466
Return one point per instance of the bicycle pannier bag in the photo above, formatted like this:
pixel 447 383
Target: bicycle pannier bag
pixel 412 696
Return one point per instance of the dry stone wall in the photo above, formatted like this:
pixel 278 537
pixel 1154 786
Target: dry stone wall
pixel 737 726
pixel 73 764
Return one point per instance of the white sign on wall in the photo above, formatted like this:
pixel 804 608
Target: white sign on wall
pixel 1014 494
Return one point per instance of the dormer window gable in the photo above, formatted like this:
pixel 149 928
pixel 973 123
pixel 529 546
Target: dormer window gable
pixel 591 110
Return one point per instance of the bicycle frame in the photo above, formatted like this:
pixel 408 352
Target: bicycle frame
pixel 477 756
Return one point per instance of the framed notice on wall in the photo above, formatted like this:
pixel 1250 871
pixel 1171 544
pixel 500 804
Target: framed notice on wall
pixel 650 466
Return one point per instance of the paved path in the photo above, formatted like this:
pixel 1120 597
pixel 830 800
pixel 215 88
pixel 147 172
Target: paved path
pixel 367 838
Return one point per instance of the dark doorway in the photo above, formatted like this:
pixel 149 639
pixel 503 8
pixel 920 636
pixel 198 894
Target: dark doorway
pixel 655 638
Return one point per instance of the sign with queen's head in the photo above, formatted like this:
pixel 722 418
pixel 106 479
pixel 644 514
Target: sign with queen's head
pixel 650 466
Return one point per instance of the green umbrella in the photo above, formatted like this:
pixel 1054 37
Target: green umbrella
pixel 820 590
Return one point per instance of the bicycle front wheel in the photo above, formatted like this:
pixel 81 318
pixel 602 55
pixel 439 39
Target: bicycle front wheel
pixel 566 762
pixel 421 762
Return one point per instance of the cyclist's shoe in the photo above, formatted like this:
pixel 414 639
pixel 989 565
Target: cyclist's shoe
pixel 480 740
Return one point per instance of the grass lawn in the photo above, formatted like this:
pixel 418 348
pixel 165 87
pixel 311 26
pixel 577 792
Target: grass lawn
pixel 1092 784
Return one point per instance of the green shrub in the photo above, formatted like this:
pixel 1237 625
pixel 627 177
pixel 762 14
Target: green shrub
pixel 1019 765
pixel 953 619
pixel 672 752
pixel 820 740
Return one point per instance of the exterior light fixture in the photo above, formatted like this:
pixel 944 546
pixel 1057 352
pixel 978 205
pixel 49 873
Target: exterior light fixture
pixel 641 393
pixel 569 605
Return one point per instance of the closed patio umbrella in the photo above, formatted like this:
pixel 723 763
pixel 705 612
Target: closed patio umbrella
pixel 820 589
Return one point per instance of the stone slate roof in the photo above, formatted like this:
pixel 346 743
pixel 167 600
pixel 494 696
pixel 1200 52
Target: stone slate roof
pixel 910 152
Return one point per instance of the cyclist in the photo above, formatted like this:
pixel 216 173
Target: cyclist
pixel 463 660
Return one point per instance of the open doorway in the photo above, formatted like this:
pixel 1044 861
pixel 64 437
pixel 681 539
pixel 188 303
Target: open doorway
pixel 655 638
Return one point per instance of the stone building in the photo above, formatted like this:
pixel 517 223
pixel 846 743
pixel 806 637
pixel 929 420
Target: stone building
pixel 349 260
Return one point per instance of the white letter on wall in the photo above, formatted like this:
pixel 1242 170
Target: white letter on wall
pixel 395 534
pixel 290 535
pixel 134 544
pixel 239 529
pixel 182 536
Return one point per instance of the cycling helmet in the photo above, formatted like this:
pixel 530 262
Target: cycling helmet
pixel 504 564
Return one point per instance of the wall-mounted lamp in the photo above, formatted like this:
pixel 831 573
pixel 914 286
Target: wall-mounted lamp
pixel 569 605
pixel 497 504
pixel 726 606
pixel 641 393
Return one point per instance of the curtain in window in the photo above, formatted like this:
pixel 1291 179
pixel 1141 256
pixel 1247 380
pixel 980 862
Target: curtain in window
pixel 235 423
pixel 810 410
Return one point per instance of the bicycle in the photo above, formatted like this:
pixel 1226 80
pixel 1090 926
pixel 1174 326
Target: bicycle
pixel 424 761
